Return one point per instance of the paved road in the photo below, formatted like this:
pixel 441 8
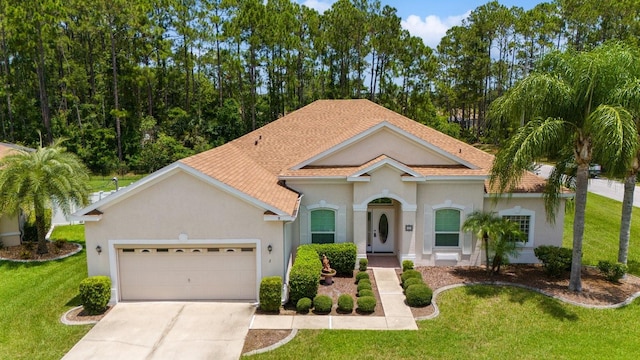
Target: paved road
pixel 604 187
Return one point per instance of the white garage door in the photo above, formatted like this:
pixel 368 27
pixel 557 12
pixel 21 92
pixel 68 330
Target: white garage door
pixel 172 273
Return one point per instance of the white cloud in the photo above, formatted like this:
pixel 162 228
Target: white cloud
pixel 320 5
pixel 432 28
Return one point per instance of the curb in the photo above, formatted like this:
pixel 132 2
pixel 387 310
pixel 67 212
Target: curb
pixel 289 337
pixel 437 292
pixel 45 260
pixel 63 319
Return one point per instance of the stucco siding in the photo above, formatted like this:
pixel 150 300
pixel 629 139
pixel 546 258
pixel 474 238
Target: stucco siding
pixel 182 208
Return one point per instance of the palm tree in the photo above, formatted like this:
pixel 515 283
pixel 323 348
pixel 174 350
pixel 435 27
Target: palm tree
pixel 570 118
pixel 33 181
pixel 505 235
pixel 480 223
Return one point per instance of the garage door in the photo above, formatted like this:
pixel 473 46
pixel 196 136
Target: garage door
pixel 178 273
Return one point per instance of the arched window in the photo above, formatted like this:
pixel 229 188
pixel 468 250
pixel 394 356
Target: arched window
pixel 447 229
pixel 323 226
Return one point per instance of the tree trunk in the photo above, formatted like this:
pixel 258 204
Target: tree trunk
pixel 41 231
pixel 582 182
pixel 42 85
pixel 7 87
pixel 625 222
pixel 116 104
pixel 486 250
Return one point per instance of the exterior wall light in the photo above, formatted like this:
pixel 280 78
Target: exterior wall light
pixel 270 248
pixel 99 249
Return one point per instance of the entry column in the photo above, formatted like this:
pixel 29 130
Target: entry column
pixel 360 231
pixel 408 229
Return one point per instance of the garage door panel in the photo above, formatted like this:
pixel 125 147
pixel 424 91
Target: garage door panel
pixel 187 275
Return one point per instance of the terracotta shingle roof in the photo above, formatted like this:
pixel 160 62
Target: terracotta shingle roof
pixel 253 163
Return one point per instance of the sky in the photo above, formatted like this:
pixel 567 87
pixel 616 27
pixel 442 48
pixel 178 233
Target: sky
pixel 430 19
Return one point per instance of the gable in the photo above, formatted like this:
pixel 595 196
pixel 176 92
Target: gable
pixel 382 141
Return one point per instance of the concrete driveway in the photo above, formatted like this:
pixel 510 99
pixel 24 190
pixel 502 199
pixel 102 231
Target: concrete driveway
pixel 167 330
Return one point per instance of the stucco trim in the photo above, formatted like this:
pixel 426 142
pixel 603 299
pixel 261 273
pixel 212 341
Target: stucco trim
pixel 525 195
pixel 383 125
pixel 387 161
pixel 113 245
pixel 406 206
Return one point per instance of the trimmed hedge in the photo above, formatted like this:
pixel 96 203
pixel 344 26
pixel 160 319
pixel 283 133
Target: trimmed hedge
pixel 270 293
pixel 322 304
pixel 411 281
pixel 410 274
pixel 365 292
pixel 345 303
pixel 363 264
pixel 95 293
pixel 304 277
pixel 362 276
pixel 611 271
pixel 419 295
pixel 342 257
pixel 555 260
pixel 367 304
pixel 303 305
pixel 407 265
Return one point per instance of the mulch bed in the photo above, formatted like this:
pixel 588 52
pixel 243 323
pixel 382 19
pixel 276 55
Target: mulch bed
pixel 79 315
pixel 15 252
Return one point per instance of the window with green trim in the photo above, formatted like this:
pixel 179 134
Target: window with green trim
pixel 323 226
pixel 447 227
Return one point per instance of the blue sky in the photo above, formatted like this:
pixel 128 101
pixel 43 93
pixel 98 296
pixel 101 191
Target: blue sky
pixel 430 19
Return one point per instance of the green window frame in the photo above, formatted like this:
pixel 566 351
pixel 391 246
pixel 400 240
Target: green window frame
pixel 323 226
pixel 447 228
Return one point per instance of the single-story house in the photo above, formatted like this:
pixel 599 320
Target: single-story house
pixel 210 226
pixel 11 227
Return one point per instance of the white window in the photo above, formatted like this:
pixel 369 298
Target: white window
pixel 323 226
pixel 523 217
pixel 447 228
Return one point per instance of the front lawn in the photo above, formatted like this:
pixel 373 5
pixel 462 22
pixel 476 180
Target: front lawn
pixel 33 296
pixel 601 232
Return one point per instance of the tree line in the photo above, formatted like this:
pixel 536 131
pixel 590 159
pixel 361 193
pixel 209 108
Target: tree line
pixel 135 85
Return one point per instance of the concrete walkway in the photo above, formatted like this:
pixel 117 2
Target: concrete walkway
pixel 398 316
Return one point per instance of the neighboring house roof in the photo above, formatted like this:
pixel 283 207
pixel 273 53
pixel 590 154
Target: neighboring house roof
pixel 258 164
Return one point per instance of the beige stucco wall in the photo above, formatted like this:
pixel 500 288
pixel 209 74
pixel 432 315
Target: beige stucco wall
pixel 388 143
pixel 183 204
pixel 9 230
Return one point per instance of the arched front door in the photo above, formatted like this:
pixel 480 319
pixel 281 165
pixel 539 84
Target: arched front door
pixel 382 230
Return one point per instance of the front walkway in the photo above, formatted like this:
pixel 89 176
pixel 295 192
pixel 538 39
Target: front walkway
pixel 398 316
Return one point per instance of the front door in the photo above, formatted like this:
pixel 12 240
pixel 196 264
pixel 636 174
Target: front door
pixel 382 230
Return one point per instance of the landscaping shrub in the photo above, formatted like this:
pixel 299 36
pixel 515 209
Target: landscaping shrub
pixel 362 276
pixel 363 264
pixel 25 254
pixel 304 277
pixel 411 274
pixel 419 295
pixel 555 260
pixel 59 243
pixel 342 257
pixel 345 303
pixel 612 271
pixel 407 265
pixel 270 293
pixel 366 304
pixel 322 304
pixel 411 281
pixel 365 292
pixel 95 292
pixel 364 284
pixel 303 305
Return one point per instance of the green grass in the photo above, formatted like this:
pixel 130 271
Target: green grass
pixel 602 230
pixel 33 296
pixel 104 183
pixel 485 322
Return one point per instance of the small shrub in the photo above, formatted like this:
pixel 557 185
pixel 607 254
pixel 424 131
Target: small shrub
pixel 95 293
pixel 366 304
pixel 270 293
pixel 363 284
pixel 407 265
pixel 345 303
pixel 365 292
pixel 362 266
pixel 411 281
pixel 59 243
pixel 555 260
pixel 612 271
pixel 28 245
pixel 303 305
pixel 25 254
pixel 419 295
pixel 411 274
pixel 322 304
pixel 362 276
